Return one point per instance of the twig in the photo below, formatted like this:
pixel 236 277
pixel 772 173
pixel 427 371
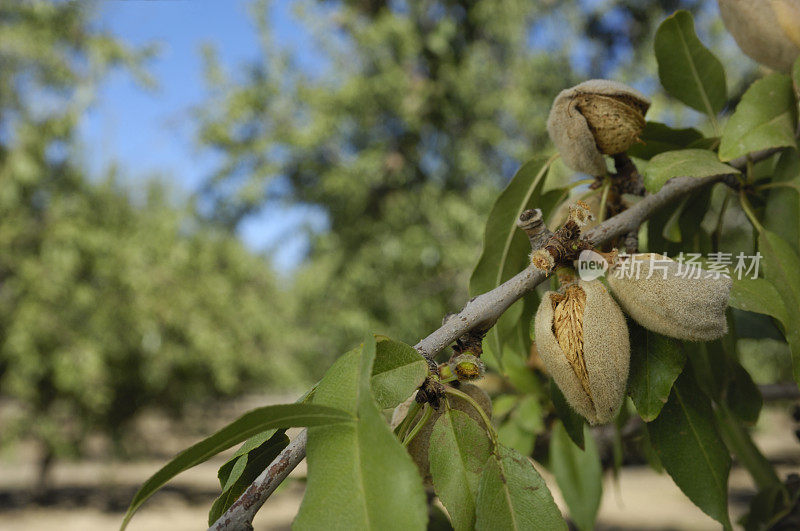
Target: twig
pixel 240 515
pixel 774 392
pixel 481 312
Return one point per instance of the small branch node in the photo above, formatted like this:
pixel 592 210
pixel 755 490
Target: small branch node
pixel 532 222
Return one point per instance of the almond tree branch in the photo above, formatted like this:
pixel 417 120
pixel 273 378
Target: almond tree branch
pixel 481 312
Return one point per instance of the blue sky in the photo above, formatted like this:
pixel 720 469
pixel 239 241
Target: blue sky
pixel 151 132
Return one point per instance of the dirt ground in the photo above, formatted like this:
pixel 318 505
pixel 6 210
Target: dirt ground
pixel 92 494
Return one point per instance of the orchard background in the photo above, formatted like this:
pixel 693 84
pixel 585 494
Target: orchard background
pixel 203 206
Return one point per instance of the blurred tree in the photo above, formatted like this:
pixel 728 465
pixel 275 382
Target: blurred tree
pixel 401 130
pixel 110 300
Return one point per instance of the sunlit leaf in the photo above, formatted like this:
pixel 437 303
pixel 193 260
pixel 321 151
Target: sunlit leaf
pixel 512 495
pixel 765 118
pixel 280 416
pixel 687 69
pixel 505 246
pixel 683 163
pixel 359 475
pixel 458 451
pixel 398 371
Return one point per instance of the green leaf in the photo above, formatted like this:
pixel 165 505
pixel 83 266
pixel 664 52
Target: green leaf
pixel 237 475
pixel 398 371
pixel 686 441
pixel 359 476
pixel 687 69
pixel 709 366
pixel 511 434
pixel 765 118
pixel 512 495
pixel 529 413
pixel 782 268
pixel 768 507
pixel 757 295
pixel 672 228
pixel 522 376
pixel 683 163
pixel 573 422
pixel 458 451
pixel 743 396
pixel 740 443
pixel 782 211
pixel 247 460
pixel 505 247
pixel 579 475
pixel 522 425
pixel 658 138
pixel 656 362
pixel 251 423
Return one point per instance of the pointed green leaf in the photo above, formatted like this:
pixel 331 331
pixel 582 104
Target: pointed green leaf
pixel 687 443
pixel 251 423
pixel 573 422
pixel 757 295
pixel 683 163
pixel 782 211
pixel 687 69
pixel 398 371
pixel 658 138
pixel 743 396
pixel 656 362
pixel 359 476
pixel 579 475
pixel 512 495
pixel 765 118
pixel 782 268
pixel 458 451
pixel 506 247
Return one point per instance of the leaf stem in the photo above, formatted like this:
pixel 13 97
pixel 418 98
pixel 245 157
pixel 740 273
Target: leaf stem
pixel 748 209
pixel 464 396
pixel 604 199
pixel 426 414
pixel 767 186
pixel 402 428
pixel 720 222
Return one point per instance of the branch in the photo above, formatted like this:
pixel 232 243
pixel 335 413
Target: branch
pixel 775 392
pixel 240 515
pixel 481 312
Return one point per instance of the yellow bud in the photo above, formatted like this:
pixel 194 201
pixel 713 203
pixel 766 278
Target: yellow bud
pixel 467 367
pixel 595 118
pixel 671 301
pixel 582 338
pixel 765 29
